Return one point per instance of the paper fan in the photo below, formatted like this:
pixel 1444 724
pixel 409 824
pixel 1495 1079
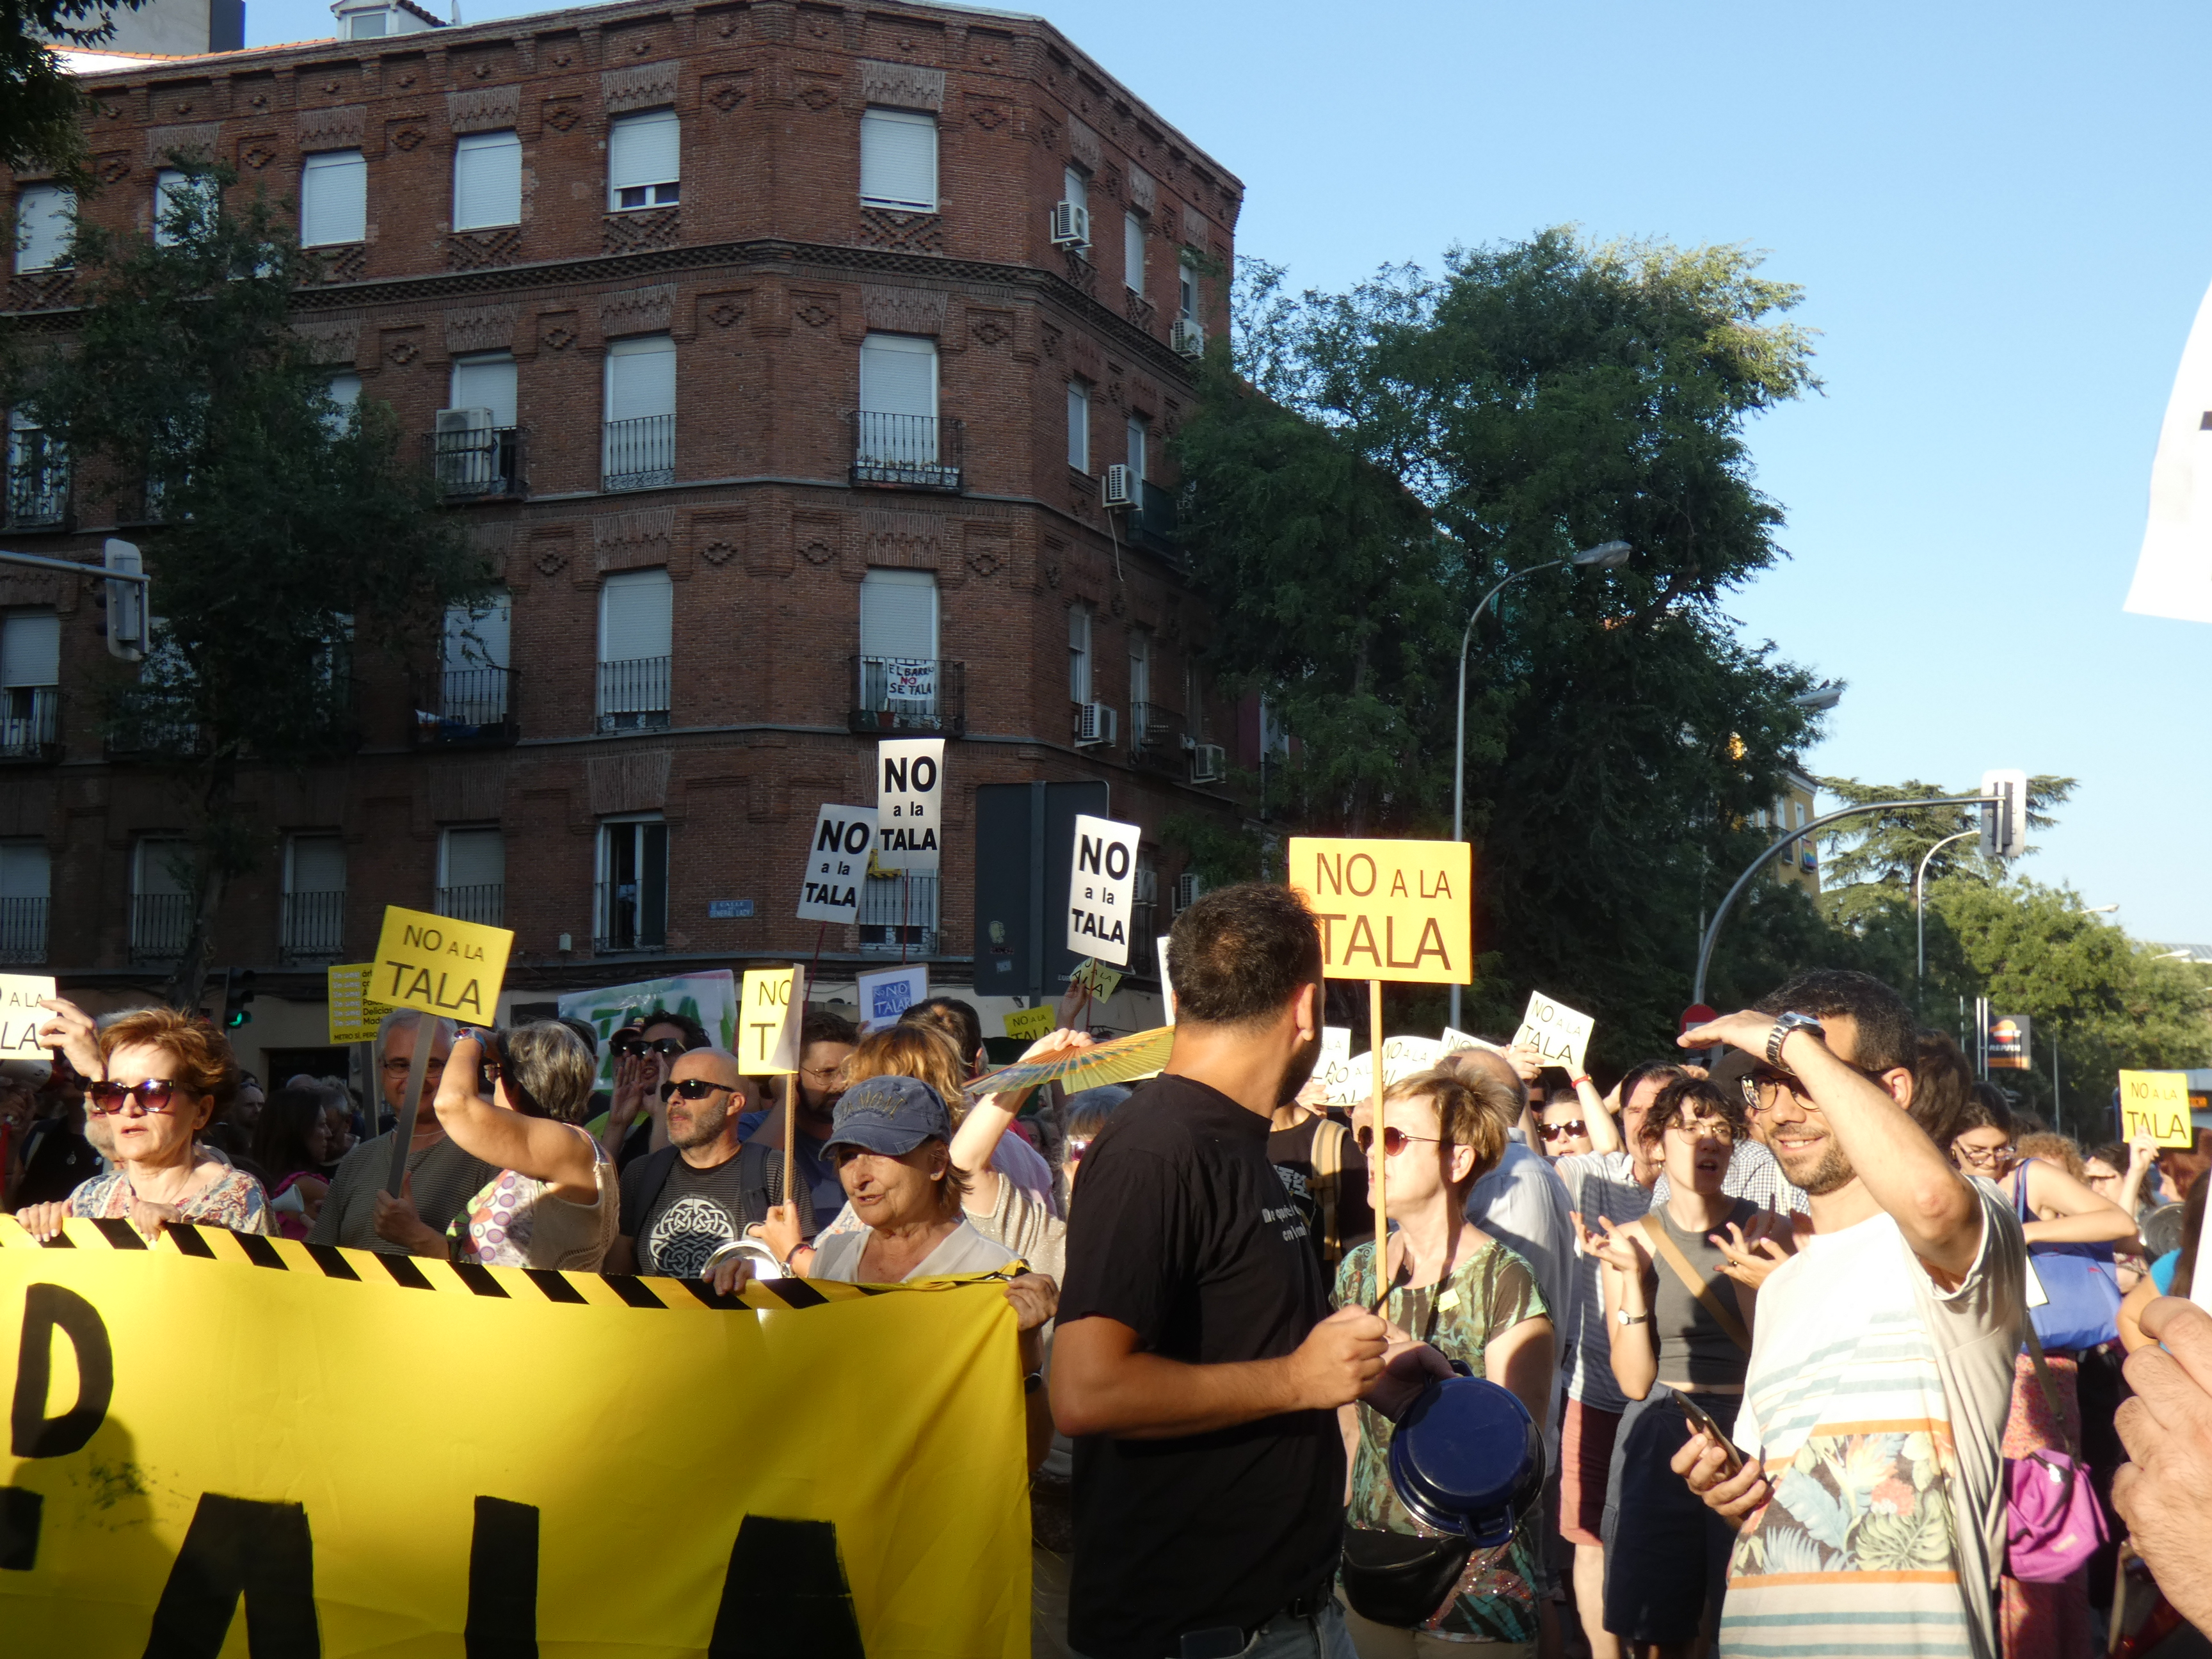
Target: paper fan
pixel 1125 1060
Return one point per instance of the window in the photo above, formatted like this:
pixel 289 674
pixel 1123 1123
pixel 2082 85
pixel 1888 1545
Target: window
pixel 1079 426
pixel 333 199
pixel 472 679
pixel 898 914
pixel 1138 434
pixel 26 887
pixel 473 873
pixel 478 639
pixel 1078 653
pixel 1075 188
pixel 636 634
pixel 643 160
pixel 44 216
pixel 1140 684
pixel 1133 252
pixel 899 642
pixel 632 909
pixel 1187 288
pixel 485 380
pixel 641 428
pixel 160 897
pixel 315 896
pixel 344 392
pixel 38 475
pixel 30 677
pixel 1144 897
pixel 898 404
pixel 175 191
pixel 898 158
pixel 487 181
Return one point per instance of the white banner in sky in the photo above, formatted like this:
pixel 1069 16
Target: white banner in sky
pixel 836 864
pixel 889 992
pixel 1100 888
pixel 2174 572
pixel 909 802
pixel 1556 1031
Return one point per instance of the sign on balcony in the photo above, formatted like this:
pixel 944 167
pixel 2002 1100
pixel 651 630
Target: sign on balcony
pixel 836 864
pixel 20 1016
pixel 912 679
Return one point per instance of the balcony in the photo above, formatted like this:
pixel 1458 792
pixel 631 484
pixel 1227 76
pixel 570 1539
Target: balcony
pixel 906 451
pixel 38 483
pixel 907 694
pixel 638 454
pixel 634 694
pixel 23 929
pixel 466 708
pixel 484 903
pixel 31 724
pixel 314 926
pixel 1155 736
pixel 479 463
pixel 899 917
pixel 624 920
pixel 159 925
pixel 1152 521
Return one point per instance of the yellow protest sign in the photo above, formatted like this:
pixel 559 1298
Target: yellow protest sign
pixel 769 1010
pixel 1390 909
pixel 1029 1023
pixel 1096 977
pixel 126 1528
pixel 444 967
pixel 2155 1103
pixel 353 1016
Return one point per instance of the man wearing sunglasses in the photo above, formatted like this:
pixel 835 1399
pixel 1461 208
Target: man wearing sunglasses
pixel 357 1213
pixel 1882 1356
pixel 680 1203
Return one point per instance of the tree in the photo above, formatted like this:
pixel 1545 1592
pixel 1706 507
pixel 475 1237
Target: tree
pixel 292 534
pixel 39 101
pixel 1888 847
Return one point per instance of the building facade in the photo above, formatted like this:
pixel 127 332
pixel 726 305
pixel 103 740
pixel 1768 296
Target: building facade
pixel 808 374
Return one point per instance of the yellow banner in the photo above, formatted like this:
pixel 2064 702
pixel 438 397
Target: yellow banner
pixel 770 1011
pixel 440 965
pixel 353 1017
pixel 1390 909
pixel 354 1455
pixel 2156 1103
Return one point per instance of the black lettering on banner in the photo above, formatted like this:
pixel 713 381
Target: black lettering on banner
pixel 1088 853
pixel 856 836
pixel 895 776
pixel 1117 860
pixel 18 1528
pixel 237 1546
pixel 31 1432
pixel 826 838
pixel 925 775
pixel 502 1581
pixel 785 1593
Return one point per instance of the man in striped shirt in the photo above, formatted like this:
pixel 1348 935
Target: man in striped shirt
pixel 1870 1508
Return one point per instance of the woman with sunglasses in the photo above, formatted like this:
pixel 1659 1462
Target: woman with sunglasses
pixel 159 1075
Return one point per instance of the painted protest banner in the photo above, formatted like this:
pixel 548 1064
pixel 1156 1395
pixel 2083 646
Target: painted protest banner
pixel 1101 887
pixel 836 864
pixel 354 1015
pixel 2155 1103
pixel 710 998
pixel 20 1019
pixel 1389 910
pixel 130 1529
pixel 909 801
pixel 888 993
pixel 1027 1024
pixel 442 966
pixel 773 1005
pixel 1556 1031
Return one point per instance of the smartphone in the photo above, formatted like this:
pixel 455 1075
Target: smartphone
pixel 1703 1420
pixel 1225 1643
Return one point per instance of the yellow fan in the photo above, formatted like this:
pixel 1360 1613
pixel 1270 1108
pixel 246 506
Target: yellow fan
pixel 1125 1060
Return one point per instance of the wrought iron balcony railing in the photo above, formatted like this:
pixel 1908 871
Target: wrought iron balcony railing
pixel 484 903
pixel 638 454
pixel 466 708
pixel 31 723
pixel 908 451
pixel 23 929
pixel 314 926
pixel 634 694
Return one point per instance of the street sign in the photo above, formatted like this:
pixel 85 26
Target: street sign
pixel 1697 1014
pixel 2012 1043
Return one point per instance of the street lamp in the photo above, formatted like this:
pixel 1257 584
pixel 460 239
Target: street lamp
pixel 2096 909
pixel 1605 555
pixel 1919 901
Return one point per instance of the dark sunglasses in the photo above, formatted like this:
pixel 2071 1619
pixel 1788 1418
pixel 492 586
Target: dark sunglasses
pixel 670 1046
pixel 696 1088
pixel 1395 1139
pixel 154 1095
pixel 1573 1126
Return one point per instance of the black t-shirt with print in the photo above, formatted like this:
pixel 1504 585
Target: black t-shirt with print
pixel 1181 1231
pixel 694 1211
pixel 1291 1152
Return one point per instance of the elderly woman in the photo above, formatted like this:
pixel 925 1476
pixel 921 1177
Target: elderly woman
pixel 156 1074
pixel 554 1202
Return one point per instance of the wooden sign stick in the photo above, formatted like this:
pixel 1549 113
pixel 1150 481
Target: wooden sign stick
pixel 1378 1162
pixel 791 1136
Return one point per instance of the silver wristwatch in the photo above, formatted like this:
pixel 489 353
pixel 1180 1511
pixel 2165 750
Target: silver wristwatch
pixel 1625 1317
pixel 1783 1026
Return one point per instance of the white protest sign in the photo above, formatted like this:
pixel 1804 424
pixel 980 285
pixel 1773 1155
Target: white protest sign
pixel 1349 1080
pixel 1460 1042
pixel 1555 1031
pixel 21 1016
pixel 1336 1041
pixel 1100 887
pixel 910 797
pixel 836 864
pixel 770 1012
pixel 1402 1056
pixel 1167 985
pixel 889 993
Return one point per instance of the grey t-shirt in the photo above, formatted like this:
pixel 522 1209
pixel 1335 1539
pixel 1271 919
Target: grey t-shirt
pixel 694 1211
pixel 963 1250
pixel 441 1177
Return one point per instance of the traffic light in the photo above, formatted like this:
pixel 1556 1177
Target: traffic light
pixel 237 992
pixel 2004 821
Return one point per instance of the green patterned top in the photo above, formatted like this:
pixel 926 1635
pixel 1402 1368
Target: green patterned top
pixel 1495 1600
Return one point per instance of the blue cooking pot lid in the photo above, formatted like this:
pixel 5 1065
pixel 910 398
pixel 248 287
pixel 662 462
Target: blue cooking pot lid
pixel 1466 1457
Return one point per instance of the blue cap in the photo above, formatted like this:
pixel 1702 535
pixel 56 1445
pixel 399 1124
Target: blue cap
pixel 892 1115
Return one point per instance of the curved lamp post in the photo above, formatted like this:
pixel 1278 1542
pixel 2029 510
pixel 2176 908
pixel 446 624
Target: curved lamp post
pixel 1919 904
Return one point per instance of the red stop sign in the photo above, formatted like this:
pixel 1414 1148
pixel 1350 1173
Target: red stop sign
pixel 1697 1014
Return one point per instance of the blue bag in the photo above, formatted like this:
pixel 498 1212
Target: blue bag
pixel 2080 1288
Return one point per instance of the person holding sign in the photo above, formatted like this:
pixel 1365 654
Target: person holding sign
pixel 357 1213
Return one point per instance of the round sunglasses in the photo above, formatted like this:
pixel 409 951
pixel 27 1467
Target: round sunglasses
pixel 1573 1126
pixel 1395 1139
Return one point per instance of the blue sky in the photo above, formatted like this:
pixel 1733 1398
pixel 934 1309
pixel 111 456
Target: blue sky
pixel 2002 221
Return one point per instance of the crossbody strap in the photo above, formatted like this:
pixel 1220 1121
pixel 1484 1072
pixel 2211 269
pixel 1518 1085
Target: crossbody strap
pixel 1671 1253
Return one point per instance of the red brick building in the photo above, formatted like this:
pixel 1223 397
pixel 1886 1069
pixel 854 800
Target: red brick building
pixel 777 354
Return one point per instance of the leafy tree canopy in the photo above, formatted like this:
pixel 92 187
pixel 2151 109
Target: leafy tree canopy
pixel 39 100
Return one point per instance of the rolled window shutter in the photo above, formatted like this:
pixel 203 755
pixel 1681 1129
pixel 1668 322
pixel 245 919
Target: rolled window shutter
pixel 31 648
pixel 319 863
pixel 1133 253
pixel 42 226
pixel 898 158
pixel 487 181
pixel 640 378
pixel 475 858
pixel 156 854
pixel 636 621
pixel 26 869
pixel 644 149
pixel 333 199
pixel 898 375
pixel 478 639
pixel 485 383
pixel 899 614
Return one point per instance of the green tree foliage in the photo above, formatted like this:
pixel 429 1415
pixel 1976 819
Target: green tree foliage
pixel 1886 848
pixel 292 534
pixel 40 103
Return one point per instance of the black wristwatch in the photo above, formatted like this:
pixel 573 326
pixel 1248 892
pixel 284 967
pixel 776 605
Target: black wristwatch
pixel 1783 1026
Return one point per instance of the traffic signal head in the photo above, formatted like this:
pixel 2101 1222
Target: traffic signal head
pixel 238 991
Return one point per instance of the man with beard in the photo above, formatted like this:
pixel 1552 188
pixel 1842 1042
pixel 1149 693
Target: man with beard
pixel 826 1043
pixel 1870 1509
pixel 679 1203
pixel 1197 1367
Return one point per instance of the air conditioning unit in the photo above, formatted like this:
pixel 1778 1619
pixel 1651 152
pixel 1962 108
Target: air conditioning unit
pixel 1120 486
pixel 1070 225
pixel 451 422
pixel 1187 338
pixel 1094 723
pixel 1188 887
pixel 1206 764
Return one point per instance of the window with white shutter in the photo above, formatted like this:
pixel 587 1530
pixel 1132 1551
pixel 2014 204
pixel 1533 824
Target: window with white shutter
pixel 1079 426
pixel 478 638
pixel 44 215
pixel 640 378
pixel 26 872
pixel 632 911
pixel 473 873
pixel 637 642
pixel 315 896
pixel 898 158
pixel 333 199
pixel 1187 288
pixel 1133 252
pixel 1078 653
pixel 317 864
pixel 1138 446
pixel 1074 187
pixel 898 375
pixel 487 179
pixel 30 649
pixel 173 190
pixel 485 380
pixel 344 392
pixel 898 642
pixel 644 159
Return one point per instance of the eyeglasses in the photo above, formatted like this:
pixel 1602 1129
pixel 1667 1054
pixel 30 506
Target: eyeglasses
pixel 155 1096
pixel 397 1067
pixel 696 1088
pixel 1573 1126
pixel 1983 1157
pixel 1765 1085
pixel 1395 1139
pixel 823 1074
pixel 670 1046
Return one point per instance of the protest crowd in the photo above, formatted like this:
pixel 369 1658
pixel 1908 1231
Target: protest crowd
pixel 1822 1349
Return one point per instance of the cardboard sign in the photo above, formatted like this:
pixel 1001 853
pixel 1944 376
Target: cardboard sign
pixel 910 797
pixel 451 969
pixel 1094 976
pixel 2155 1103
pixel 20 1019
pixel 1336 1043
pixel 886 995
pixel 1402 1056
pixel 710 998
pixel 1556 1031
pixel 1167 984
pixel 1100 886
pixel 1349 1080
pixel 1027 1024
pixel 769 1016
pixel 1390 909
pixel 353 1016
pixel 1455 1041
pixel 836 864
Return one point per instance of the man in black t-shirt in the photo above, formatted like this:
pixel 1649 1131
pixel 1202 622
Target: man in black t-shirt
pixel 680 1203
pixel 1197 1366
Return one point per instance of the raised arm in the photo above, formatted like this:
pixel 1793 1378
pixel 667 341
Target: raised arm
pixel 539 1147
pixel 987 1119
pixel 1627 1290
pixel 2142 1158
pixel 2083 1218
pixel 1600 1116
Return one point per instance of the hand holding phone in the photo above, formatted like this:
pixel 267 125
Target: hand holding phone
pixel 1703 1420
